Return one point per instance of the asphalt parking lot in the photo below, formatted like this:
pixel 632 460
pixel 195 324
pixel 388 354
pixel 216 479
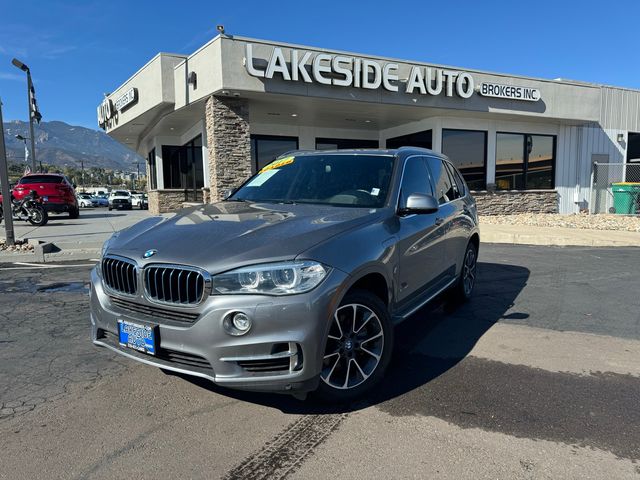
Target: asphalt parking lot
pixel 89 231
pixel 537 377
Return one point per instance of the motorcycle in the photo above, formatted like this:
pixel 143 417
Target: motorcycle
pixel 29 208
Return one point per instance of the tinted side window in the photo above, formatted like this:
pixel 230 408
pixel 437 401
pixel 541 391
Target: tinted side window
pixel 457 186
pixel 444 187
pixel 415 179
pixel 462 186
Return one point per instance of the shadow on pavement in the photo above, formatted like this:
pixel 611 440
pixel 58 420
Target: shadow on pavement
pixel 429 343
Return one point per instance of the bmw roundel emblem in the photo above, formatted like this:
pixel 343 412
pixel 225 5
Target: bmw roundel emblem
pixel 150 253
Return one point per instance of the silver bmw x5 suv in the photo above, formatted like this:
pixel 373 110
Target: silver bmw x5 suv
pixel 294 282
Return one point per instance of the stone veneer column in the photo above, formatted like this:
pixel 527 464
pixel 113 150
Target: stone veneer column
pixel 229 143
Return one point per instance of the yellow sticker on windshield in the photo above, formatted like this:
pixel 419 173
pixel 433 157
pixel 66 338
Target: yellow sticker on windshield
pixel 278 163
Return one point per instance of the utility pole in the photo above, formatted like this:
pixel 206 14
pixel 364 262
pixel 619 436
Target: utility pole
pixel 6 192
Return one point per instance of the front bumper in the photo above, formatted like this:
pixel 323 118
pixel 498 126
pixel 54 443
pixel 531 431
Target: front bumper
pixel 282 352
pixel 121 206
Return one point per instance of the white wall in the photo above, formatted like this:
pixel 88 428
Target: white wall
pixel 307 134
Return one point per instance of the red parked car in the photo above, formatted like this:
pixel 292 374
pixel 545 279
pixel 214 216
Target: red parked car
pixel 57 192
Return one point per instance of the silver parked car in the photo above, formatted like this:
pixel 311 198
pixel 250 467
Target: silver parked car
pixel 295 281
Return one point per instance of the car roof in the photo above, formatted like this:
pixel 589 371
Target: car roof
pixel 41 174
pixel 402 151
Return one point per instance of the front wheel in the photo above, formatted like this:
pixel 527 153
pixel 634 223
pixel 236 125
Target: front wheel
pixel 37 216
pixel 358 348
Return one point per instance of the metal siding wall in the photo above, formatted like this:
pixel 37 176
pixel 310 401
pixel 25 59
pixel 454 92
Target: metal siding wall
pixel 619 114
pixel 620 109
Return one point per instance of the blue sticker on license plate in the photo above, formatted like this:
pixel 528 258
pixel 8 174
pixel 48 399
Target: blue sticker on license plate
pixel 138 337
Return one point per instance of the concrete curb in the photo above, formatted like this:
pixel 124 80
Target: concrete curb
pixel 562 237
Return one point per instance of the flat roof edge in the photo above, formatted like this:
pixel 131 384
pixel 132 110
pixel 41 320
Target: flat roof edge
pixel 401 60
pixel 137 72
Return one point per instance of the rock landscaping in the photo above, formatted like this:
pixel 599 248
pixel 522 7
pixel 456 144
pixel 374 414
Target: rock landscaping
pixel 582 221
pixel 21 246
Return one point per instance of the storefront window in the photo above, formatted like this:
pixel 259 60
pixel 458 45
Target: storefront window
pixel 422 139
pixel 524 162
pixel 266 148
pixel 182 165
pixel 467 150
pixel 344 143
pixel 153 175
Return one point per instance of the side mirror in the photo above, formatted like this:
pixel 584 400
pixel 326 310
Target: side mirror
pixel 420 203
pixel 227 192
pixel 75 186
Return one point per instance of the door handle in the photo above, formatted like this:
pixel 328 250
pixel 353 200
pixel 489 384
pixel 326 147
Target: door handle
pixel 439 221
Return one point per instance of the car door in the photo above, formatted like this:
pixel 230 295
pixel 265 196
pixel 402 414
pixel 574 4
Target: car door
pixel 461 226
pixel 447 195
pixel 421 246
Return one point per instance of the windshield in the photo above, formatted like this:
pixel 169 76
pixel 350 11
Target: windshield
pixel 351 180
pixel 120 194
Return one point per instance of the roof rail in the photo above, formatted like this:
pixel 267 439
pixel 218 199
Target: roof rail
pixel 290 152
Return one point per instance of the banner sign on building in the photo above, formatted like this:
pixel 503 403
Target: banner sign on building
pixel 294 65
pixel 108 111
pixel 511 92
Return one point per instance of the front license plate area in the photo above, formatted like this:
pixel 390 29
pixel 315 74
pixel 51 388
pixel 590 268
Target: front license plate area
pixel 136 336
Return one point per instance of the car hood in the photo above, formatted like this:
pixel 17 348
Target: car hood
pixel 226 235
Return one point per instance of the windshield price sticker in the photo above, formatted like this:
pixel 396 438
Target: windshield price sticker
pixel 262 177
pixel 278 163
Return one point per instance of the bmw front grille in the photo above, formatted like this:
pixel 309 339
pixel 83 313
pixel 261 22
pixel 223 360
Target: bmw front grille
pixel 175 284
pixel 120 275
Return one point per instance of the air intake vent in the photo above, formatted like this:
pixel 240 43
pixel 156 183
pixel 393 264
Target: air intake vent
pixel 175 284
pixel 120 275
pixel 156 312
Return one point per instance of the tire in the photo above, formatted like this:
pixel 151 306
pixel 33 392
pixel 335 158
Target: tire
pixel 463 289
pixel 357 368
pixel 38 216
pixel 74 212
pixel 110 208
pixel 1 214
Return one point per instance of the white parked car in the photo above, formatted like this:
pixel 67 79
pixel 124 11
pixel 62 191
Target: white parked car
pixel 139 200
pixel 120 200
pixel 85 200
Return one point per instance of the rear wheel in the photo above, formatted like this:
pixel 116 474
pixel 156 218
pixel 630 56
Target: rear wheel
pixel 74 212
pixel 358 348
pixel 468 273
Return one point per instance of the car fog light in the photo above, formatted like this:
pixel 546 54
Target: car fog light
pixel 241 322
pixel 237 323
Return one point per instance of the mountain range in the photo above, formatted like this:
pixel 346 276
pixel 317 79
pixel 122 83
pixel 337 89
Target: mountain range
pixel 60 144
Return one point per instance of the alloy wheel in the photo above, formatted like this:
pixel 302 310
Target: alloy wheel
pixel 354 347
pixel 469 271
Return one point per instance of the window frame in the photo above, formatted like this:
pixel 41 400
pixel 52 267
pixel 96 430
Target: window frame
pixel 258 136
pixel 320 140
pixel 525 160
pixel 486 150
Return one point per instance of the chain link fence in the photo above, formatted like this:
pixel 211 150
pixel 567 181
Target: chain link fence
pixel 615 188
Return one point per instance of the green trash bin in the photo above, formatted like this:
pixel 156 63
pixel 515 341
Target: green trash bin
pixel 626 196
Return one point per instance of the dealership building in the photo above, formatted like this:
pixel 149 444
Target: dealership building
pixel 208 120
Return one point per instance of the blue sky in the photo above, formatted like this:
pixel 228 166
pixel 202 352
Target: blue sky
pixel 78 50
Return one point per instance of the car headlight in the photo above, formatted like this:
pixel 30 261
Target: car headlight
pixel 284 278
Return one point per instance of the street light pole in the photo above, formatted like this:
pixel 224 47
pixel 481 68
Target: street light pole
pixel 31 134
pixel 32 111
pixel 4 184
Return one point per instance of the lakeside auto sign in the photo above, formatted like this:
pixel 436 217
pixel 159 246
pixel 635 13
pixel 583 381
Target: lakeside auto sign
pixel 108 111
pixel 356 72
